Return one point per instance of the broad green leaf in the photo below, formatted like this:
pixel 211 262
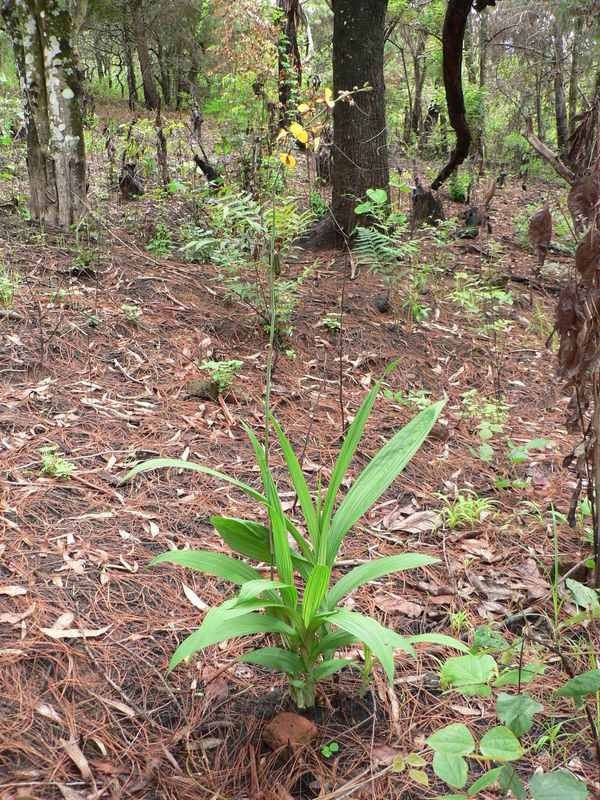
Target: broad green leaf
pixel 399 764
pixel 219 564
pixel 487 638
pixel 221 628
pixel 363 208
pixel 415 760
pixel 345 456
pixel 334 640
pixel 379 474
pixel 373 570
pixel 251 589
pixel 469 674
pixel 500 744
pixel 246 537
pixel 300 486
pixel 275 658
pixel 517 711
pixel 509 781
pixel 418 776
pixel 315 591
pixel 437 638
pixel 370 632
pixel 330 666
pixel 378 196
pixel 559 785
pixel 488 778
pixel 450 768
pixel 515 677
pixel 584 596
pixel 176 463
pixel 453 740
pixel 580 687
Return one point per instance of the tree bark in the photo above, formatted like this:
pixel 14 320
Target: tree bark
pixel 47 70
pixel 420 71
pixel 561 169
pixel 560 104
pixel 359 125
pixel 290 70
pixel 151 95
pixel 483 64
pixel 574 74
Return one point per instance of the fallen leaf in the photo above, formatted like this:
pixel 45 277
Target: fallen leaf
pixel 59 631
pixel 418 522
pixel 14 619
pixel 48 711
pixel 12 591
pixel 73 750
pixel 194 599
pixel 384 754
pixel 396 605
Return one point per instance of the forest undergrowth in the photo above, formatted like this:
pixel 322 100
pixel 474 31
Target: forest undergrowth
pixel 141 336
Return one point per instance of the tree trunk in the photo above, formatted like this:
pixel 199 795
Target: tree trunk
pixel 288 57
pixel 47 69
pixel 359 127
pixel 574 75
pixel 151 95
pixel 483 62
pixel 469 56
pixel 560 104
pixel 420 70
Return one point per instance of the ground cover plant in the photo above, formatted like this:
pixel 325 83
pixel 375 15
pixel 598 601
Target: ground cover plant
pixel 240 557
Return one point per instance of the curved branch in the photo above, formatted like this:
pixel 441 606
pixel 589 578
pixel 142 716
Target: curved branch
pixel 455 21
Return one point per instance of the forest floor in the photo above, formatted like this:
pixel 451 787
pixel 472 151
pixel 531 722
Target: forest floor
pixel 86 632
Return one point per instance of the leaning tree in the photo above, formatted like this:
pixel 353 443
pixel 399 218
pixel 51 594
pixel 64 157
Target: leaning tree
pixel 40 31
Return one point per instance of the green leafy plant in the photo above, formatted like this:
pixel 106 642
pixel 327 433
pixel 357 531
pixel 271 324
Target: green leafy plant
pixel 132 313
pixel 420 398
pixel 9 285
pixel 54 464
pixel 91 318
pixel 222 372
pixel 160 245
pixel 458 187
pixel 465 510
pixel 332 322
pixel 297 601
pixel 330 749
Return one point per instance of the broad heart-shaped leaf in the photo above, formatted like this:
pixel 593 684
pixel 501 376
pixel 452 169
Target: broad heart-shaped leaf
pixel 451 769
pixel 580 687
pixel 378 196
pixel 453 740
pixel 584 596
pixel 379 473
pixel 488 778
pixel 500 744
pixel 509 781
pixel 221 626
pixel 314 593
pixel 177 463
pixel 370 632
pixel 516 677
pixel 469 674
pixel 275 658
pixel 219 564
pixel 343 460
pixel 373 570
pixel 517 711
pixel 330 666
pixel 437 638
pixel 363 208
pixel 486 638
pixel 300 486
pixel 559 785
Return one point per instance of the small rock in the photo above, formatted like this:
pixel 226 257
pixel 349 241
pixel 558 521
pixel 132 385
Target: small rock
pixel 289 728
pixel 382 303
pixel 204 389
pixel 439 432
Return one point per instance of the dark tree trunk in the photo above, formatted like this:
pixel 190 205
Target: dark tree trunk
pixel 420 70
pixel 49 78
pixel 359 128
pixel 560 103
pixel 151 95
pixel 574 75
pixel 129 66
pixel 289 58
pixel 483 63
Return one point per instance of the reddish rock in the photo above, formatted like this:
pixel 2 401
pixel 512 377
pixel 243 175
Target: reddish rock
pixel 289 728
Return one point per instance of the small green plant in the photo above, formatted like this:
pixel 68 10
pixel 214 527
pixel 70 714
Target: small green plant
pixel 58 295
pixel 465 510
pixel 296 601
pixel 132 313
pixel 330 749
pixel 222 372
pixel 54 464
pixel 420 398
pixel 332 322
pixel 318 207
pixel 416 311
pixel 160 245
pixel 458 187
pixel 9 285
pixel 459 621
pixel 91 318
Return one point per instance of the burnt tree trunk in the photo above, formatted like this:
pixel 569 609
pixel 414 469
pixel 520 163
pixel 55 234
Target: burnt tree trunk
pixel 51 91
pixel 151 95
pixel 359 127
pixel 574 74
pixel 288 57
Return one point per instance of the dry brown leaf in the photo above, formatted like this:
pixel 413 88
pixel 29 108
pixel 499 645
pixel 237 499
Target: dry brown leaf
pixel 583 201
pixel 12 591
pixel 396 605
pixel 384 754
pixel 587 256
pixel 70 794
pixel 60 631
pixel 74 752
pixel 540 233
pixel 14 619
pixel 48 711
pixel 419 522
pixel 194 599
